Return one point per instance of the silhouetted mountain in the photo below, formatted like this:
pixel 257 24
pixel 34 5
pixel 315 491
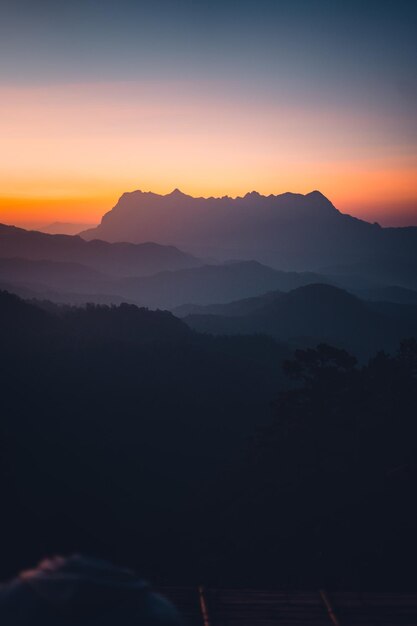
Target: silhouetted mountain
pixel 212 283
pixel 312 314
pixel 288 231
pixel 19 318
pixel 116 259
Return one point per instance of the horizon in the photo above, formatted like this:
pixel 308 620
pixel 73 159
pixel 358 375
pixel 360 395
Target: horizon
pixel 274 97
pixel 39 225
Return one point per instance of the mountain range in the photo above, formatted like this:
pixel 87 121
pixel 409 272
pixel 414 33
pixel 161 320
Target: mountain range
pixel 303 232
pixel 288 231
pixel 71 270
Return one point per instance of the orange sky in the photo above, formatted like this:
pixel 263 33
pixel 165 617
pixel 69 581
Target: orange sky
pixel 69 151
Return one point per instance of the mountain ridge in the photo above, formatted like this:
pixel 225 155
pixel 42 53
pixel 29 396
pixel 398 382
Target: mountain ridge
pixel 121 258
pixel 290 231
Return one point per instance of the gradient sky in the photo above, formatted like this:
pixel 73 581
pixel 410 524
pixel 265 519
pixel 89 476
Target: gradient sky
pixel 102 97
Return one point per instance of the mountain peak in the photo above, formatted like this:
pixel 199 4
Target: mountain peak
pixel 320 201
pixel 317 194
pixel 176 193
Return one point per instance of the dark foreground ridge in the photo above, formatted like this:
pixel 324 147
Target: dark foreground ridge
pixel 224 459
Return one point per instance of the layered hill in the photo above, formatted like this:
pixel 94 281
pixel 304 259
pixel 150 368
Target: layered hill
pixel 212 283
pixel 287 231
pixel 119 259
pixel 75 283
pixel 312 314
pixel 386 269
pixel 59 281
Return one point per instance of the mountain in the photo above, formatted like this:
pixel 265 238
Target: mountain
pixel 114 420
pixel 126 322
pixel 312 314
pixel 68 269
pixel 119 259
pixel 21 318
pixel 211 283
pixel 92 323
pixel 75 283
pixel 235 288
pixel 287 231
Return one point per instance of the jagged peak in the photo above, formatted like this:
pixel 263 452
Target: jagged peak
pixel 317 194
pixel 176 193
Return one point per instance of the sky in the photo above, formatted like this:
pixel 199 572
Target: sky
pixel 102 97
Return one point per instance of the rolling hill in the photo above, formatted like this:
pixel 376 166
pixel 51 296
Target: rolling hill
pixel 310 315
pixel 72 282
pixel 119 259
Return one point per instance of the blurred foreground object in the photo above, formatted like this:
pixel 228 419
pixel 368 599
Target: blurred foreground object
pixel 82 591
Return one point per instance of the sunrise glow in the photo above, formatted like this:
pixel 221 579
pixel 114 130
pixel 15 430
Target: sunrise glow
pixel 185 99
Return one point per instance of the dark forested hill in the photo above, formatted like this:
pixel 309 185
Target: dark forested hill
pixel 113 420
pixel 125 434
